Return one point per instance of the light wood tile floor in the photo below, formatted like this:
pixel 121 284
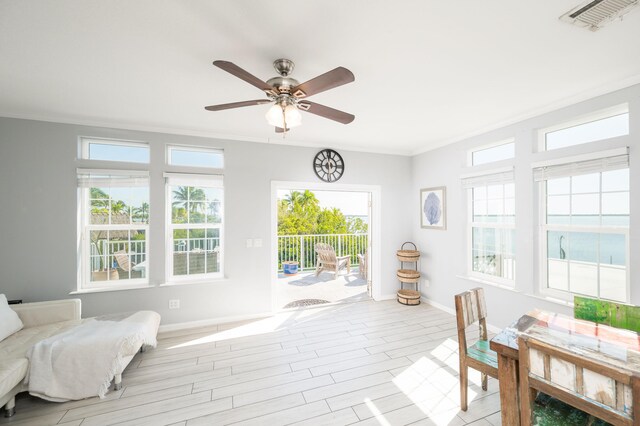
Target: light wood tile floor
pixel 369 363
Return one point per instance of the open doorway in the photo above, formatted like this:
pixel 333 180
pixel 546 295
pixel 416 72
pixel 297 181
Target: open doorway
pixel 323 245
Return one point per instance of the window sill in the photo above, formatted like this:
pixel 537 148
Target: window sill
pixel 220 280
pixel 108 289
pixel 488 282
pixel 551 299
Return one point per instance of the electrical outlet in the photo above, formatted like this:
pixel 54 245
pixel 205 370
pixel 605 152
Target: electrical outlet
pixel 174 304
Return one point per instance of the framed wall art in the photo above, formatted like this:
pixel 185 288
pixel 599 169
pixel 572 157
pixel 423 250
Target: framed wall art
pixel 433 208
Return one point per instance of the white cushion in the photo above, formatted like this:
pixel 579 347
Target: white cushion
pixel 9 320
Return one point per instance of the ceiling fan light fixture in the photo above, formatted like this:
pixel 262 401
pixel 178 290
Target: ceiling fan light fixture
pixel 278 116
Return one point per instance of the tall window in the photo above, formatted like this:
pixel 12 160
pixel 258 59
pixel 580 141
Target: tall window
pixel 492 226
pixel 114 226
pixel 195 226
pixel 585 229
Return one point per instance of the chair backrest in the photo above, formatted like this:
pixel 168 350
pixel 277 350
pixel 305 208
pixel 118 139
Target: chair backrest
pixel 470 308
pixel 326 253
pixel 123 260
pixel 605 312
pixel 600 390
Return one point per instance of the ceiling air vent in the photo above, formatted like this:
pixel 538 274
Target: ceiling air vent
pixel 595 14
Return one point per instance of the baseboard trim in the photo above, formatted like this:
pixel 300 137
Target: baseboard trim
pixel 386 297
pixel 490 327
pixel 210 321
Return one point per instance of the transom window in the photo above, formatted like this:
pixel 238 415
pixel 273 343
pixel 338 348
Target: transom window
pixel 601 125
pixel 498 151
pixel 585 229
pixel 178 155
pixel 114 150
pixel 195 237
pixel 492 226
pixel 114 227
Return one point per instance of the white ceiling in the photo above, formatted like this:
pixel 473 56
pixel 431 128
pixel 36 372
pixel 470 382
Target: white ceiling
pixel 427 72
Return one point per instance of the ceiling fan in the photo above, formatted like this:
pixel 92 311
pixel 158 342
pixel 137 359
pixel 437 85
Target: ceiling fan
pixel 288 96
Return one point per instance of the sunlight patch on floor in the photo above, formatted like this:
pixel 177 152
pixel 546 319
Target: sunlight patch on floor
pixel 263 326
pixel 376 413
pixel 426 383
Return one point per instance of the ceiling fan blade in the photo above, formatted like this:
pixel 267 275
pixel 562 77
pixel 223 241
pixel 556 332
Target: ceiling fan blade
pixel 237 105
pixel 326 112
pixel 232 68
pixel 326 81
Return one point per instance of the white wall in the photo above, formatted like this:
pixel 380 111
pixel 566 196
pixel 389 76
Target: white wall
pixel 38 218
pixel 444 252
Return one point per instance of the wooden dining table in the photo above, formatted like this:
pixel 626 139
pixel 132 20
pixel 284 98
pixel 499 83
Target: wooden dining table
pixel 600 343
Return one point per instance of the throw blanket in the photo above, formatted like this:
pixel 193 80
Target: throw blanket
pixel 81 362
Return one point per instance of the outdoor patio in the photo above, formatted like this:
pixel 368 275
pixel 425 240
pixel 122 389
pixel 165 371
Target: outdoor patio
pixel 305 288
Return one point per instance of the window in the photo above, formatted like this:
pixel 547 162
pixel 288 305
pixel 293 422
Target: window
pixel 195 226
pixel 112 150
pixel 605 124
pixel 195 157
pixel 495 152
pixel 492 225
pixel 114 230
pixel 585 230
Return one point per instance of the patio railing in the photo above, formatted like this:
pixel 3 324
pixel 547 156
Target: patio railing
pixel 301 248
pixel 102 250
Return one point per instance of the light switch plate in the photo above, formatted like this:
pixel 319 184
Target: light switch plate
pixel 257 242
pixel 249 243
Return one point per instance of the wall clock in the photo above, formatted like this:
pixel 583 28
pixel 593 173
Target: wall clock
pixel 328 165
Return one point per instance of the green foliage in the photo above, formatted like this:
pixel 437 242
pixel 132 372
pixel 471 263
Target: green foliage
pixel 356 225
pixel 299 213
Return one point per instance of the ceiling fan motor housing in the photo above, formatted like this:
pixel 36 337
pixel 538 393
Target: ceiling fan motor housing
pixel 283 84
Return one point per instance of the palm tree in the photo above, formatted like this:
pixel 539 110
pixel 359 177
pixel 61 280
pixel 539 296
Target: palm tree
pixel 142 212
pixel 185 195
pixel 99 200
pixel 119 207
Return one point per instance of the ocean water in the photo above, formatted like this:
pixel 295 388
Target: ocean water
pixel 609 249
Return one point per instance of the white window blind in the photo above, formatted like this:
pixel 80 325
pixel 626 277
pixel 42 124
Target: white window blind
pixel 89 178
pixel 576 168
pixel 490 177
pixel 185 179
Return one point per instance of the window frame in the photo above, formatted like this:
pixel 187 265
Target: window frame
pixel 170 227
pixel 85 229
pixel 85 141
pixel 593 116
pixel 544 228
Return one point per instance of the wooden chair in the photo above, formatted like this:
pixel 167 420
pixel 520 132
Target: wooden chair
pixel 362 264
pixel 586 387
pixel 327 260
pixel 470 308
pixel 123 260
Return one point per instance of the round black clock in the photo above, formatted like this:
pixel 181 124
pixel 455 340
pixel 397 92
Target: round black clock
pixel 328 165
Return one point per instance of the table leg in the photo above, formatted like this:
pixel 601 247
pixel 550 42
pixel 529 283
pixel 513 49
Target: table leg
pixel 509 390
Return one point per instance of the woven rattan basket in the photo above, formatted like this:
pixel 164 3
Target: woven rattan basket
pixel 408 275
pixel 409 297
pixel 408 255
